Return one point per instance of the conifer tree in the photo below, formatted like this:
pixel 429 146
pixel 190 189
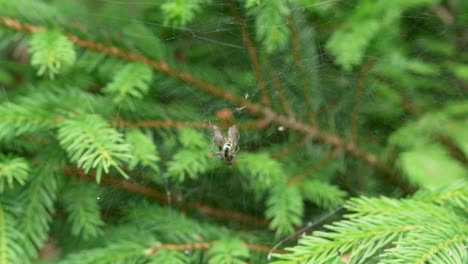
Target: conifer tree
pixel 348 111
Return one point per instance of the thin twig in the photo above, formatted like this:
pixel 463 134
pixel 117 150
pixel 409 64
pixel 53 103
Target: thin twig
pixel 317 166
pixel 162 198
pixel 358 95
pixel 455 151
pixel 229 215
pixel 278 88
pixel 251 50
pixel 255 109
pixel 204 245
pixel 300 67
pixel 349 147
pixel 257 124
pixel 290 148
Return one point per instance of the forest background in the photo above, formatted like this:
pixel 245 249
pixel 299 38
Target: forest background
pixel 352 115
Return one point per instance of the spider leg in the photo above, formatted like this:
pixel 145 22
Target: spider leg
pixel 237 150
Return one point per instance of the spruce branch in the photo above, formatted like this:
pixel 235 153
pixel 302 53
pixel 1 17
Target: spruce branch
pixel 144 151
pixel 205 245
pixel 169 256
pixel 38 198
pixel 168 123
pixel 140 231
pixel 12 169
pixel 192 160
pixel 92 144
pixel 262 171
pixel 228 251
pixel 325 195
pixel 181 12
pixel 253 55
pixel 442 242
pixel 278 87
pixel 132 81
pixel 317 166
pixel 121 253
pixel 306 89
pixel 23 118
pixel 10 236
pixel 161 66
pixel 268 15
pixel 82 208
pixel 177 199
pixel 284 208
pixel 374 225
pixel 51 52
pixel 365 68
pixel 455 194
pixel 133 252
pixel 290 148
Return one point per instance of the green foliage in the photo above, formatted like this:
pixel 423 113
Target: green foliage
pixel 132 81
pixel 38 198
pixel 12 169
pixel 180 12
pixel 147 40
pixel 144 151
pixel 191 138
pixel 349 44
pixel 24 118
pixel 271 24
pixel 431 166
pixel 51 52
pixel 92 144
pixel 121 253
pixel 424 158
pixel 169 256
pixel 80 202
pixel 250 3
pixel 455 195
pixel 133 93
pixel 42 12
pixel 261 170
pixel 11 250
pixel 192 159
pixel 322 194
pixel 156 220
pixel 228 252
pixel 376 223
pixel 284 208
pixel 440 243
pixel 460 70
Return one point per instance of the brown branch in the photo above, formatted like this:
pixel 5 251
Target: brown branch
pixel 204 245
pixel 300 67
pixel 258 124
pixel 455 151
pixel 255 109
pixel 228 215
pixel 405 100
pixel 251 50
pixel 349 147
pixel 290 148
pixel 358 95
pixel 317 166
pixel 278 88
pixel 162 198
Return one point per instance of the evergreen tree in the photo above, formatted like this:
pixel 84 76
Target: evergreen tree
pixel 342 106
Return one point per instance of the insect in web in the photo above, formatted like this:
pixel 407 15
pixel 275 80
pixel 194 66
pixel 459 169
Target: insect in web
pixel 228 147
